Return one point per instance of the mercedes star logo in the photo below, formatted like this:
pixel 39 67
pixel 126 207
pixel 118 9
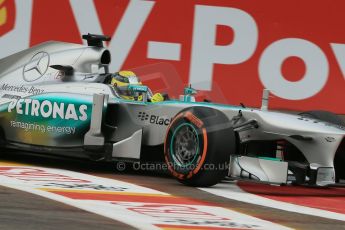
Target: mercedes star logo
pixel 36 67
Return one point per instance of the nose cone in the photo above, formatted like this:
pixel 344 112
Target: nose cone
pixel 290 123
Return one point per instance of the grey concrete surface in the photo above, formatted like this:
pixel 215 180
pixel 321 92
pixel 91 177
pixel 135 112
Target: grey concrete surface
pixel 20 210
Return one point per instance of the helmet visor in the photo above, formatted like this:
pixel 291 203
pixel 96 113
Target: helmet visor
pixel 133 80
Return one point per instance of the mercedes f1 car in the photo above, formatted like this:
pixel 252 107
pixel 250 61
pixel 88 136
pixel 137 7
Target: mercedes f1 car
pixel 56 98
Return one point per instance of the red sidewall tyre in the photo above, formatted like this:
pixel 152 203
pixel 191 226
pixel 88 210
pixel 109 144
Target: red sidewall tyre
pixel 198 145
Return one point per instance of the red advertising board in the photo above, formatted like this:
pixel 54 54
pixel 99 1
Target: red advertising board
pixel 231 50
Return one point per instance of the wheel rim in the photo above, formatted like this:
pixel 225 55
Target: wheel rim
pixel 184 146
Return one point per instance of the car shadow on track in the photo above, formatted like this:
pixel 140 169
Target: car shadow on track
pixel 148 168
pixel 156 169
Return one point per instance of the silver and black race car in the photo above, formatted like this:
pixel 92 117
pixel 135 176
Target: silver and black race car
pixel 57 98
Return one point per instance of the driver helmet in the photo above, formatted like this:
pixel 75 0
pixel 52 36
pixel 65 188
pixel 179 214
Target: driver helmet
pixel 121 80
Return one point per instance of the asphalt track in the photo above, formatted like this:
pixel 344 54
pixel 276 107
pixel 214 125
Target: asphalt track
pixel 21 210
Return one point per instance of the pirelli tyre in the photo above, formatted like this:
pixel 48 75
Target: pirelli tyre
pixel 198 145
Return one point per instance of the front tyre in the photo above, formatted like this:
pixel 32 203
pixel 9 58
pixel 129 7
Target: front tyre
pixel 198 145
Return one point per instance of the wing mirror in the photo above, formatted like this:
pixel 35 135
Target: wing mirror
pixel 188 94
pixel 265 99
pixel 66 69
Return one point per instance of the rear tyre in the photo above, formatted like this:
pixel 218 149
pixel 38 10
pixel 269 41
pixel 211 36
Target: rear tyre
pixel 339 159
pixel 198 145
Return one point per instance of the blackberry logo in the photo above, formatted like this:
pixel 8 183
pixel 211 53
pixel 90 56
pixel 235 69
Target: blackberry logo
pixel 154 119
pixel 143 116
